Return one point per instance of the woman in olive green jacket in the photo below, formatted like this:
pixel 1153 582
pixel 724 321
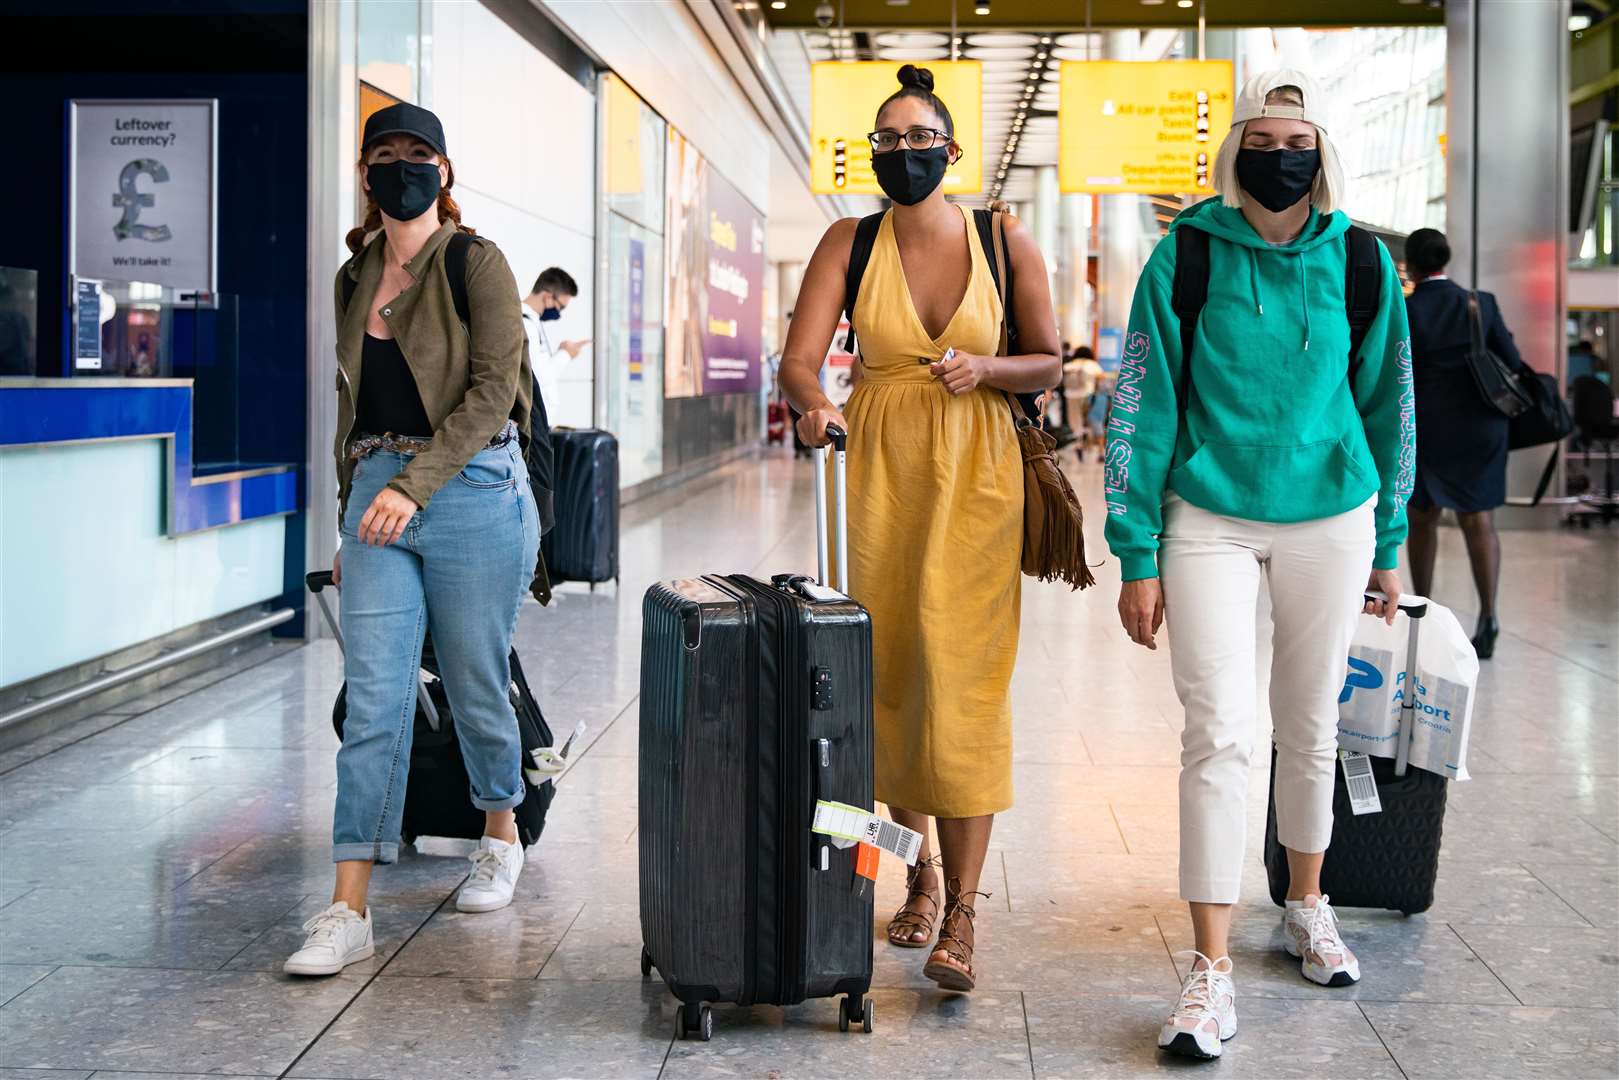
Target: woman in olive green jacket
pixel 439 527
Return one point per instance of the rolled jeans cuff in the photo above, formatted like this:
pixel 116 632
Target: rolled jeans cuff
pixel 492 805
pixel 376 853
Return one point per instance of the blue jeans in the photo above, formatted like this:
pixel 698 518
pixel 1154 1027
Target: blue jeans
pixel 460 570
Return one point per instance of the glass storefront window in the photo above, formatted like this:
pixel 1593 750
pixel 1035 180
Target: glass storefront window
pixel 390 45
pixel 630 349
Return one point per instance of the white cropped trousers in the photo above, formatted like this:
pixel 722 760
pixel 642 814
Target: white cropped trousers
pixel 1213 570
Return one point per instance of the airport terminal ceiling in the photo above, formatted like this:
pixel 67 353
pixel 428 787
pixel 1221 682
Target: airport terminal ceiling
pixel 1103 14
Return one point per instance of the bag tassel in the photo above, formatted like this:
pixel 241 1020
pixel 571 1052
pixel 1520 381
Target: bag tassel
pixel 1059 554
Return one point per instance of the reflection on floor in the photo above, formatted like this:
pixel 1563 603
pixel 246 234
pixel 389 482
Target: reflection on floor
pixel 153 876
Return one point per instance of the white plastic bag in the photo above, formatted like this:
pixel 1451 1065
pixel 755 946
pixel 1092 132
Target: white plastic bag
pixel 1374 690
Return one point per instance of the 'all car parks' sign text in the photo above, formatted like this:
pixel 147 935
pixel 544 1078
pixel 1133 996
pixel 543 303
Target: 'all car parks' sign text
pixel 1148 128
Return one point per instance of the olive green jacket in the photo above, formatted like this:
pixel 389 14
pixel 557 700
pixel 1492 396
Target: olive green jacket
pixel 471 379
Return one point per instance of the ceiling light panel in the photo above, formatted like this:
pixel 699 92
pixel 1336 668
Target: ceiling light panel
pixel 1004 52
pixel 912 41
pixel 1000 40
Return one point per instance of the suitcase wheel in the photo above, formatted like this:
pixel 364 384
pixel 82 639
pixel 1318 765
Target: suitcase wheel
pixel 695 1021
pixel 848 1015
pixel 646 963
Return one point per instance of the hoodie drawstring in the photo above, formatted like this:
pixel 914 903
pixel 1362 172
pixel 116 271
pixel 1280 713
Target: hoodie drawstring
pixel 1304 288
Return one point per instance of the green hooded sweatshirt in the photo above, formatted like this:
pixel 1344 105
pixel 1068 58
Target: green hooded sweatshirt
pixel 1273 431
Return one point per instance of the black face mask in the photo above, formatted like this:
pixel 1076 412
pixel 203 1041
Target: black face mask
pixel 909 176
pixel 1277 178
pixel 404 190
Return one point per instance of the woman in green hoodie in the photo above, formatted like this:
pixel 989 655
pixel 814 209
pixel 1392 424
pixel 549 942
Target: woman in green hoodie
pixel 1266 455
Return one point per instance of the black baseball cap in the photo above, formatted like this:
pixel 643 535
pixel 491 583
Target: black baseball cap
pixel 405 119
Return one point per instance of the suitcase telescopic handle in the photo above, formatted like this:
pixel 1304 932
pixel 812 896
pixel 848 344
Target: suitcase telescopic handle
pixel 1415 609
pixel 840 444
pixel 321 580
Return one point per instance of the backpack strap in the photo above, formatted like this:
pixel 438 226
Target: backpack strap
pixel 865 238
pixel 1363 290
pixel 349 284
pixel 455 268
pixel 991 226
pixel 1187 297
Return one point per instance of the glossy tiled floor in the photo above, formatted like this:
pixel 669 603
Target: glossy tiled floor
pixel 152 877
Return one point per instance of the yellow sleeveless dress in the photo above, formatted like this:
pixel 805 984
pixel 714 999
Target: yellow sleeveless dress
pixel 935 536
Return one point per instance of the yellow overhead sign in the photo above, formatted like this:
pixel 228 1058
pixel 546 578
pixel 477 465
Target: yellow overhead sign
pixel 1150 128
pixel 844 98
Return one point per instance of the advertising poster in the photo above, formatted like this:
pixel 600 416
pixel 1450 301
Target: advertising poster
pixel 143 191
pixel 715 311
pixel 637 306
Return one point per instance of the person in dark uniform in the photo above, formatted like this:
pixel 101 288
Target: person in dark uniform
pixel 1461 439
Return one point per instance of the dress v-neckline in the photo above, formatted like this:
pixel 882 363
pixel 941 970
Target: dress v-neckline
pixel 910 301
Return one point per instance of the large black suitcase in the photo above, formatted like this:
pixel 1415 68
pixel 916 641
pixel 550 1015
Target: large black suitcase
pixel 1388 859
pixel 583 546
pixel 755 702
pixel 438 799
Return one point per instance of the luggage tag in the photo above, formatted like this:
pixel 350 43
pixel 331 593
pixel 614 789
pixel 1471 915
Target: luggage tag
pixel 865 867
pixel 550 762
pixel 844 822
pixel 1361 784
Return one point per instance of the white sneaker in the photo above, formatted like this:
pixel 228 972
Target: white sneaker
pixel 337 938
pixel 495 867
pixel 1206 1015
pixel 1311 935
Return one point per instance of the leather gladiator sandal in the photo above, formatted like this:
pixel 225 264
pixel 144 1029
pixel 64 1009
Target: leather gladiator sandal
pixel 955 970
pixel 909 923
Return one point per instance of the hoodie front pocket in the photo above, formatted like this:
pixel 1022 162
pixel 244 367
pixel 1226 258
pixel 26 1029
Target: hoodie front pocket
pixel 1273 483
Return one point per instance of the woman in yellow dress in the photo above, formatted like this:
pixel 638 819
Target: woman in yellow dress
pixel 935 499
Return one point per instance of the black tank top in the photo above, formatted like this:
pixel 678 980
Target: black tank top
pixel 389 402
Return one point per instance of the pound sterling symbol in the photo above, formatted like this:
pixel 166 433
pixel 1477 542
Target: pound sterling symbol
pixel 131 200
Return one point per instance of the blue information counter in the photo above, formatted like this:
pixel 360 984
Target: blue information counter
pixel 108 535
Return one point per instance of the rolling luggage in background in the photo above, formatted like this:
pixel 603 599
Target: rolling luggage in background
pixel 584 544
pixel 438 793
pixel 756 700
pixel 1390 858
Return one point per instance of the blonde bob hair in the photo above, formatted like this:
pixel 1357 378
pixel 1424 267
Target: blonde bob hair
pixel 1327 192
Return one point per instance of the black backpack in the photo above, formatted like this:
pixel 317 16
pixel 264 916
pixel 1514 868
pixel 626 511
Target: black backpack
pixel 865 238
pixel 537 452
pixel 1363 288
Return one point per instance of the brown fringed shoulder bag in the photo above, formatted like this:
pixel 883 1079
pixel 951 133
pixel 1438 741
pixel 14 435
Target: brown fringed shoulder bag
pixel 1053 524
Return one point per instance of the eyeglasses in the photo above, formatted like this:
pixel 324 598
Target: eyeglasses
pixel 917 138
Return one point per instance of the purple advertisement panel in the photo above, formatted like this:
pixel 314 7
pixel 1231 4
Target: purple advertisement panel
pixel 734 338
pixel 714 319
pixel 637 306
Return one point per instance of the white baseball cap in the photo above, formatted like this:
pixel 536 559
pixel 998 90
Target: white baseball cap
pixel 1251 98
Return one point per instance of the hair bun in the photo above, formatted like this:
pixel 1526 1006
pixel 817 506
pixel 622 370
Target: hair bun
pixel 921 78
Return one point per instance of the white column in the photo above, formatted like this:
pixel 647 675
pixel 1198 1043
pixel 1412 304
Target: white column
pixel 1507 176
pixel 1071 294
pixel 1119 233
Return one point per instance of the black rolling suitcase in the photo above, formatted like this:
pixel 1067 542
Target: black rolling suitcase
pixel 583 546
pixel 438 799
pixel 755 702
pixel 1390 858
